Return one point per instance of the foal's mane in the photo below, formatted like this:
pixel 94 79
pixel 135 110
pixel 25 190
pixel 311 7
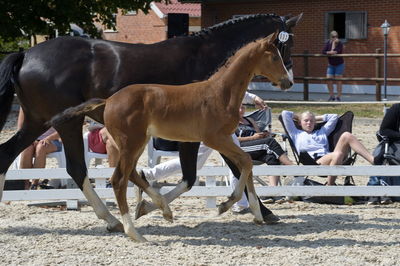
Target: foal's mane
pixel 233 22
pixel 230 58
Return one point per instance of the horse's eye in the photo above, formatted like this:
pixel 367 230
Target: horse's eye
pixel 275 58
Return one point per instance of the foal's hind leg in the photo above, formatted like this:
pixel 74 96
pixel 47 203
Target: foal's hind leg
pixel 225 145
pixel 119 182
pixel 188 159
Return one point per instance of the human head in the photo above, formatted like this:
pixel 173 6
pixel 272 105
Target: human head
pixel 307 121
pixel 242 110
pixel 334 34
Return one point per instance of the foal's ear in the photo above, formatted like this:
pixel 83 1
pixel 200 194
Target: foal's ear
pixel 269 40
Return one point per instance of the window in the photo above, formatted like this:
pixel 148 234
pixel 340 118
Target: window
pixel 130 13
pixel 349 25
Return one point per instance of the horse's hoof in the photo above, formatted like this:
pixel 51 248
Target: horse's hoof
pixel 271 219
pixel 168 216
pixel 141 209
pixel 115 228
pixel 257 221
pixel 222 208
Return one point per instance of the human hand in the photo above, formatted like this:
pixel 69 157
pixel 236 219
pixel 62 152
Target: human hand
pixel 259 103
pixel 44 142
pixel 261 135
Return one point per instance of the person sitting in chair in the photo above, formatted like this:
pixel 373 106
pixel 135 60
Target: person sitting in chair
pixel 261 147
pixel 100 141
pixel 315 142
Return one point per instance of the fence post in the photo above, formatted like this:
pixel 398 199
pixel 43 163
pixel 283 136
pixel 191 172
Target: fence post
pixel 305 81
pixel 378 94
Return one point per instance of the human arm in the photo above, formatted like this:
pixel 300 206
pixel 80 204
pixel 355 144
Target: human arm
pixel 258 135
pixel 287 118
pixel 331 121
pixel 250 98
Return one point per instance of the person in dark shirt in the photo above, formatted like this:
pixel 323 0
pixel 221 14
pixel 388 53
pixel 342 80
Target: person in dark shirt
pixel 390 127
pixel 335 65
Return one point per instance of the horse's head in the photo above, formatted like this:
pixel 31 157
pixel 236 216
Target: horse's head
pixel 270 63
pixel 285 44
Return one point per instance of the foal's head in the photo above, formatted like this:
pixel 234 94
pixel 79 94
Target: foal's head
pixel 270 63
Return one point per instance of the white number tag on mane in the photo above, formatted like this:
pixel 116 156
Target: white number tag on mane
pixel 283 36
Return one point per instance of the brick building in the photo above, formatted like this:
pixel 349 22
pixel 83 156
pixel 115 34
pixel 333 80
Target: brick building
pixel 137 27
pixel 358 24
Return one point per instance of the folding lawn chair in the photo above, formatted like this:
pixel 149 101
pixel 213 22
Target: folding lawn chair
pixel 344 124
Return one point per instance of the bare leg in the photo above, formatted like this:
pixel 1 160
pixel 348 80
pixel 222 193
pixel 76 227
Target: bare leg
pixel 329 84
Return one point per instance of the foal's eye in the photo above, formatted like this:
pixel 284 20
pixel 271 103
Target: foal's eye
pixel 275 58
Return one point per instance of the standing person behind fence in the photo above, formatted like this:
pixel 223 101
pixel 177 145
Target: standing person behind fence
pixel 335 65
pixel 34 156
pixel 315 142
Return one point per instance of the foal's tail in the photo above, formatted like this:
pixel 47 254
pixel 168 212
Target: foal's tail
pixel 9 69
pixel 75 111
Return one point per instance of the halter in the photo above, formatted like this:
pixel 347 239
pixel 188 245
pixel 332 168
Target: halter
pixel 281 41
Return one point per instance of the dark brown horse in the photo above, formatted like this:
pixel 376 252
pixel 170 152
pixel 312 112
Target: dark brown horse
pixel 67 71
pixel 205 111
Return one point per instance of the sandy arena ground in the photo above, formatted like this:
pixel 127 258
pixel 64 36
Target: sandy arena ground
pixel 309 234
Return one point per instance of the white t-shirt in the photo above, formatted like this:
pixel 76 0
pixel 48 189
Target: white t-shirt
pixel 315 143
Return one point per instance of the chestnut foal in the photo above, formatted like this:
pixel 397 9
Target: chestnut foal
pixel 205 111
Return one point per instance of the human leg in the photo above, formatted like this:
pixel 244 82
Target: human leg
pixel 26 161
pixel 329 83
pixel 348 140
pixel 172 167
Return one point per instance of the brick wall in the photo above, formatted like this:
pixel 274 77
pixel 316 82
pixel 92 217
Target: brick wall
pixel 309 34
pixel 142 28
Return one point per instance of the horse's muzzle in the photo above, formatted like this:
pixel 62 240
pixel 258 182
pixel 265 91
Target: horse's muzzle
pixel 285 84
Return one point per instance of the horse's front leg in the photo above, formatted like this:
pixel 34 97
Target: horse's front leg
pixel 188 158
pixel 253 200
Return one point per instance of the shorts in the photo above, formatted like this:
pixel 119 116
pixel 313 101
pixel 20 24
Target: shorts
pixel 58 144
pixel 266 150
pixel 335 70
pixel 95 142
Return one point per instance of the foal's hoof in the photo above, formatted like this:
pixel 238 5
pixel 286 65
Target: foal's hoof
pixel 115 228
pixel 168 216
pixel 222 208
pixel 141 209
pixel 271 219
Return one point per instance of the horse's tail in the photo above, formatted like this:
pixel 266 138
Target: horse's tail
pixel 75 111
pixel 9 68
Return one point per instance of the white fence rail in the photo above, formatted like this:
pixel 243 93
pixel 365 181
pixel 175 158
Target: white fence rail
pixel 211 190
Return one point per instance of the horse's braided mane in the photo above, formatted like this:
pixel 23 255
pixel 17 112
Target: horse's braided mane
pixel 230 22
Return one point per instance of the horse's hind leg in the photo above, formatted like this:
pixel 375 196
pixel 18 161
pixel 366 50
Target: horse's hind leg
pixel 157 198
pixel 119 182
pixel 226 146
pixel 188 159
pixel 253 200
pixel 71 135
pixel 17 143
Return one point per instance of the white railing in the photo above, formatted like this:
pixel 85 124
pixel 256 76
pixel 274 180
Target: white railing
pixel 211 190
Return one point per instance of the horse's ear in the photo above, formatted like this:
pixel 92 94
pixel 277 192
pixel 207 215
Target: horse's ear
pixel 290 23
pixel 270 38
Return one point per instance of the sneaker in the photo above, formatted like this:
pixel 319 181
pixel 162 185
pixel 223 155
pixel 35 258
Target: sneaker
pixel 267 200
pixel 280 200
pixel 373 201
pixel 236 209
pixel 338 99
pixel 331 99
pixel 386 200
